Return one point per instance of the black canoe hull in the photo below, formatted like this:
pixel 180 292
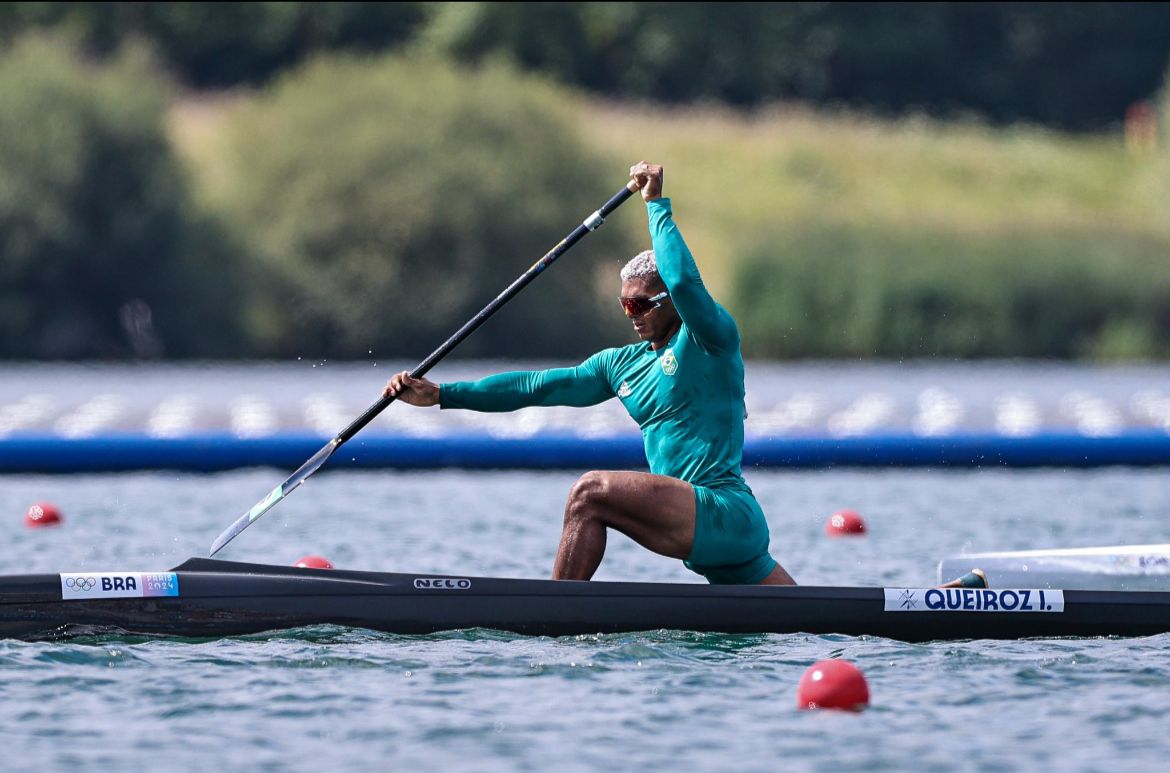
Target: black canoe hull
pixel 220 598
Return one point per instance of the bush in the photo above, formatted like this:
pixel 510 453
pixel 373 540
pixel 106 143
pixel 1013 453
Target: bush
pixel 1006 61
pixel 390 199
pixel 99 253
pixel 216 45
pixel 850 291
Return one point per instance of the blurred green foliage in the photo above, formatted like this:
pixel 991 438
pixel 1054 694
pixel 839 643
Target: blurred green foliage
pixel 222 44
pixel 1072 66
pixel 389 200
pixel 101 253
pixel 855 291
pixel 357 203
pixel 1067 65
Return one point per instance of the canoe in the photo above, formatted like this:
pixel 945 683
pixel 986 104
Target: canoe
pixel 206 598
pixel 1121 567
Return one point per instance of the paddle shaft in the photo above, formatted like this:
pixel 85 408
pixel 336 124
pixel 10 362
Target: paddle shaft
pixel 591 223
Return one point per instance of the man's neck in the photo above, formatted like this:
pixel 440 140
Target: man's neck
pixel 656 345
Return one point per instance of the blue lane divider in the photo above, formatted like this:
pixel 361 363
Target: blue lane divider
pixel 44 453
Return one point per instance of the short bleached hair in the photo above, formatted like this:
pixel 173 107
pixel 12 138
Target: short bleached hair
pixel 641 266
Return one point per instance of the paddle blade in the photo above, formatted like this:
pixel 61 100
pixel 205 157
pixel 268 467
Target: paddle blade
pixel 276 495
pixel 241 523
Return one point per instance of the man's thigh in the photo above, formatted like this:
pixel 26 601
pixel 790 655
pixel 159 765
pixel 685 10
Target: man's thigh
pixel 656 511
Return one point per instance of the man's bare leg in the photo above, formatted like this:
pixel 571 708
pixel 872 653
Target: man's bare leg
pixel 778 576
pixel 656 511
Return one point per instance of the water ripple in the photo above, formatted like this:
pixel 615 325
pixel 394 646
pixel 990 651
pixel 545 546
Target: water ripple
pixel 481 700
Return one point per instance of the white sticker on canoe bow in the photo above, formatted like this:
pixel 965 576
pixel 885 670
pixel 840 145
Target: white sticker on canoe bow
pixel 973 600
pixel 118 585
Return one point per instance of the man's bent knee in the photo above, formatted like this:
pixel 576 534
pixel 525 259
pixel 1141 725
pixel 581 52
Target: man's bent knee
pixel 591 489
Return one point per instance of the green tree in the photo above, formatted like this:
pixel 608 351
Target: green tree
pixel 390 199
pixel 1069 65
pixel 837 290
pixel 99 254
pixel 212 45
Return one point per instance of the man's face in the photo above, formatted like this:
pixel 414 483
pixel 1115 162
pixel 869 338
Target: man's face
pixel 656 325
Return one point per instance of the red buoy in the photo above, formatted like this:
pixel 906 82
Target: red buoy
pixel 42 514
pixel 832 684
pixel 314 562
pixel 844 522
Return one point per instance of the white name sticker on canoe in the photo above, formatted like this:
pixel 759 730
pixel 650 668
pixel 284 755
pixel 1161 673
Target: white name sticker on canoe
pixel 118 585
pixel 973 600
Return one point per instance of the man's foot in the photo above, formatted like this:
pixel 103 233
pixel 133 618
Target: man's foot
pixel 972 579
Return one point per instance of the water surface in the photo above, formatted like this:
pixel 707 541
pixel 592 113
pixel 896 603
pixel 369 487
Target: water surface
pixel 485 701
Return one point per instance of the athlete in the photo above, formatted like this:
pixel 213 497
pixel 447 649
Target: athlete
pixel 684 386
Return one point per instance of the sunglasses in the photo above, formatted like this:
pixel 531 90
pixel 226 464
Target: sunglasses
pixel 636 307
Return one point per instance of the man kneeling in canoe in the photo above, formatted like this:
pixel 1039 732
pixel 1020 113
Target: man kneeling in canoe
pixel 685 389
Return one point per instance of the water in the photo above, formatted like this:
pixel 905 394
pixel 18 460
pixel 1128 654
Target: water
pixel 484 701
pixel 818 398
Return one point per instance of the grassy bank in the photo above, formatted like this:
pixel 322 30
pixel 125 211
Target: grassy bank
pixel 735 176
pixel 841 235
pixel 832 235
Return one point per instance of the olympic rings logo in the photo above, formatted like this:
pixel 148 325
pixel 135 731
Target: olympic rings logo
pixel 80 583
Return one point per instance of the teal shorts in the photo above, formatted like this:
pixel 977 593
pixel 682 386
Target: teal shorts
pixel 731 538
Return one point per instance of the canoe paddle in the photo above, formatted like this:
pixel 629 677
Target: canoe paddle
pixel 591 223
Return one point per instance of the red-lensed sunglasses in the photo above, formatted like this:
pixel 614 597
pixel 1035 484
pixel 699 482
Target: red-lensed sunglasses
pixel 636 307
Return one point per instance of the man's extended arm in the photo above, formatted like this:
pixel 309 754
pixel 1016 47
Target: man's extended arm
pixel 708 321
pixel 578 387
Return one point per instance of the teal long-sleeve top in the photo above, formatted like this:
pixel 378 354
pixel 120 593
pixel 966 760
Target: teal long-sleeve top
pixel 687 397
